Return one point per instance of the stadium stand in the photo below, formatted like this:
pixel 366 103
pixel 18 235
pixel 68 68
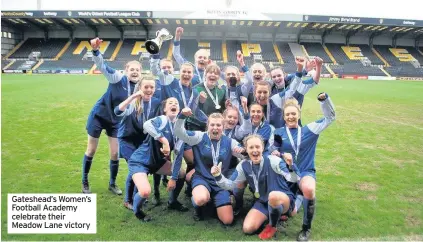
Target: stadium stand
pixel 414 53
pixel 268 52
pixel 316 49
pixel 357 69
pixel 72 57
pixel 216 53
pixel 129 46
pixel 4 63
pixel 22 65
pixel 188 49
pixel 48 48
pixel 367 52
pixel 232 46
pixel 389 57
pixel 339 54
pixel 406 70
pixel 286 53
pixel 400 60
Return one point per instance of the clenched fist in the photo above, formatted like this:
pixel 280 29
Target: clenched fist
pixel 203 97
pixel 300 61
pixel 288 158
pixel 95 43
pixel 216 170
pixel 186 112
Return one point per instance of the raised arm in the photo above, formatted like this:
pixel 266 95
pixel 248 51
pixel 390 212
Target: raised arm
pixel 279 98
pixel 306 85
pixel 328 110
pixel 164 77
pixel 245 128
pixel 247 83
pixel 177 46
pixel 319 64
pixel 229 184
pixel 111 74
pixel 122 109
pixel 300 61
pixel 189 137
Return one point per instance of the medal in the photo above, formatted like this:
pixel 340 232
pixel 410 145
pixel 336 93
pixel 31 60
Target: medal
pixel 216 102
pixel 296 148
pixel 186 105
pixel 215 153
pixel 256 179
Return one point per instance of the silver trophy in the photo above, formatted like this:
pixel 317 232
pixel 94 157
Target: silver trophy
pixel 153 45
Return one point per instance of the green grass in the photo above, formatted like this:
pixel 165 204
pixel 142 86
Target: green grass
pixel 369 162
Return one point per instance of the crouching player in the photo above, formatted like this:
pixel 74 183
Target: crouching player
pixel 268 176
pixel 209 149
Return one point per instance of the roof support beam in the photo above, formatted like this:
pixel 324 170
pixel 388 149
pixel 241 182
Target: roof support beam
pixel 36 24
pixel 147 32
pixel 67 27
pixel 118 27
pixel 349 35
pixel 372 36
pixel 93 27
pixel 417 40
pixel 396 36
pixel 325 33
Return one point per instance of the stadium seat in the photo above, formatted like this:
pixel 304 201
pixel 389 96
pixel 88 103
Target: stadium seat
pixel 286 53
pixel 387 54
pixel 414 53
pixel 216 50
pixel 367 52
pixel 48 48
pixel 339 54
pixel 232 47
pixel 396 56
pixel 4 63
pixel 405 70
pixel 22 65
pixel 357 69
pixel 316 49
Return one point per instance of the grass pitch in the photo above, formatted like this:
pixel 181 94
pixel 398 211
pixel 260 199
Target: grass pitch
pixel 369 162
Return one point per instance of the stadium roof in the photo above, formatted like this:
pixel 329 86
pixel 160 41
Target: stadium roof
pixel 216 20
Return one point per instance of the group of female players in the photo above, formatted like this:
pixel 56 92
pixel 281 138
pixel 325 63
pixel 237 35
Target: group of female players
pixel 244 132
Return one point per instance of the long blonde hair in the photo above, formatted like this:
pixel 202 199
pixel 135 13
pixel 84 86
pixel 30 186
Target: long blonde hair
pixel 138 86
